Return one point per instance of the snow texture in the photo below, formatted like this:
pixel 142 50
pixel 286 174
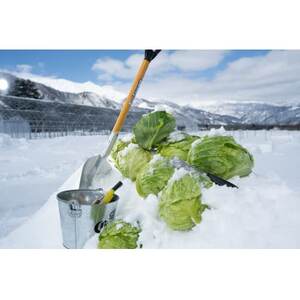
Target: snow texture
pixel 263 213
pixel 176 136
pixel 178 174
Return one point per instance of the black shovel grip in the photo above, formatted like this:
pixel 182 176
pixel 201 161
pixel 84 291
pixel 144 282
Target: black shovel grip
pixel 118 185
pixel 151 54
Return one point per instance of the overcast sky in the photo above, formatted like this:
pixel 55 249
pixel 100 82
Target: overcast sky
pixel 183 76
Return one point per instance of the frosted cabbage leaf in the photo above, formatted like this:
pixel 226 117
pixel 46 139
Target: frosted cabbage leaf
pixel 153 178
pixel 180 203
pixel 177 145
pixel 131 160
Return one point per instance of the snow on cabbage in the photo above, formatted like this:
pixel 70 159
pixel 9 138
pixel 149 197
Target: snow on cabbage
pixel 154 177
pixel 120 145
pixel 131 160
pixel 180 202
pixel 178 145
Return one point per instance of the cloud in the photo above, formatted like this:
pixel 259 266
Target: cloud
pixel 23 68
pixel 273 78
pixel 168 62
pixel 196 60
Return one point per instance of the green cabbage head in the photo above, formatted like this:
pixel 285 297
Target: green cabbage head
pixel 153 178
pixel 119 146
pixel 221 156
pixel 153 128
pixel 180 203
pixel 118 235
pixel 131 160
pixel 177 145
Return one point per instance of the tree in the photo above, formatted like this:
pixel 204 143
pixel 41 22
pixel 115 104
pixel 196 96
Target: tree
pixel 25 88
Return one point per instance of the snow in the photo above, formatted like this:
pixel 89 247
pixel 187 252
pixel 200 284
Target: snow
pixel 163 107
pixel 31 170
pixel 219 131
pixel 128 149
pixel 155 158
pixel 178 174
pixel 119 226
pixel 263 213
pixel 127 138
pixel 176 136
pixel 74 87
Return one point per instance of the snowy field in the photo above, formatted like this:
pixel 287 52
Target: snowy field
pixel 263 213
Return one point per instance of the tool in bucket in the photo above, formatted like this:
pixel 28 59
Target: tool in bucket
pixel 83 213
pixel 98 165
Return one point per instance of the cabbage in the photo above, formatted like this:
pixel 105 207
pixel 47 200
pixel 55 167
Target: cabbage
pixel 177 145
pixel 180 203
pixel 153 128
pixel 119 146
pixel 131 160
pixel 118 235
pixel 221 156
pixel 153 178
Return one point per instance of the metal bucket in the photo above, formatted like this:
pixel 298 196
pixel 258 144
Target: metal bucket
pixel 80 218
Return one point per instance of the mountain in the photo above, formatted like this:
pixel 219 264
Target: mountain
pixel 186 116
pixel 49 93
pixel 259 113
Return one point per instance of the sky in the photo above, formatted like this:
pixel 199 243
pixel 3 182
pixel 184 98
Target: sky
pixel 195 77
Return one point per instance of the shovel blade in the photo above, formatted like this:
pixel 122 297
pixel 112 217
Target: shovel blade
pixel 95 166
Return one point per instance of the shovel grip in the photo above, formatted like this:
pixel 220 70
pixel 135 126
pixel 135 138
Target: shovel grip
pixel 127 103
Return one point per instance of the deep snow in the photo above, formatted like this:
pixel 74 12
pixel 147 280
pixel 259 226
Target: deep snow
pixel 263 213
pixel 31 170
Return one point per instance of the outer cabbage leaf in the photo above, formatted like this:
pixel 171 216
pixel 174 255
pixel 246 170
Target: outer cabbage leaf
pixel 119 146
pixel 131 160
pixel 153 178
pixel 153 128
pixel 118 235
pixel 177 145
pixel 222 156
pixel 180 203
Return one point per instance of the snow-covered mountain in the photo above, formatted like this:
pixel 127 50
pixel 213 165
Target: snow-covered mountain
pixel 187 116
pixel 83 98
pixel 259 113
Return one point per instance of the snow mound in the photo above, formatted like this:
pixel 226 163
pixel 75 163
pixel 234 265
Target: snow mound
pixel 263 213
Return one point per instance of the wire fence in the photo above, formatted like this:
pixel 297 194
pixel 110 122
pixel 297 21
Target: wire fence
pixel 31 118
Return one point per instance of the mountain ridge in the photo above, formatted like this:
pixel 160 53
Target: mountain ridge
pixel 186 116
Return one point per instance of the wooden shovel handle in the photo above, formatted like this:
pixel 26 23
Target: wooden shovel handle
pixel 127 102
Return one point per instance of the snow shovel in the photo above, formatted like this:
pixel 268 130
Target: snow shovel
pixel 97 166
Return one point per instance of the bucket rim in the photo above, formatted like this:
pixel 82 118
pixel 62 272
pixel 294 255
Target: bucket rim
pixel 59 198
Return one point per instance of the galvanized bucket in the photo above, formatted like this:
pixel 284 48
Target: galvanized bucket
pixel 80 218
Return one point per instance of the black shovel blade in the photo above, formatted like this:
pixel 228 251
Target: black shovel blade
pixel 220 181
